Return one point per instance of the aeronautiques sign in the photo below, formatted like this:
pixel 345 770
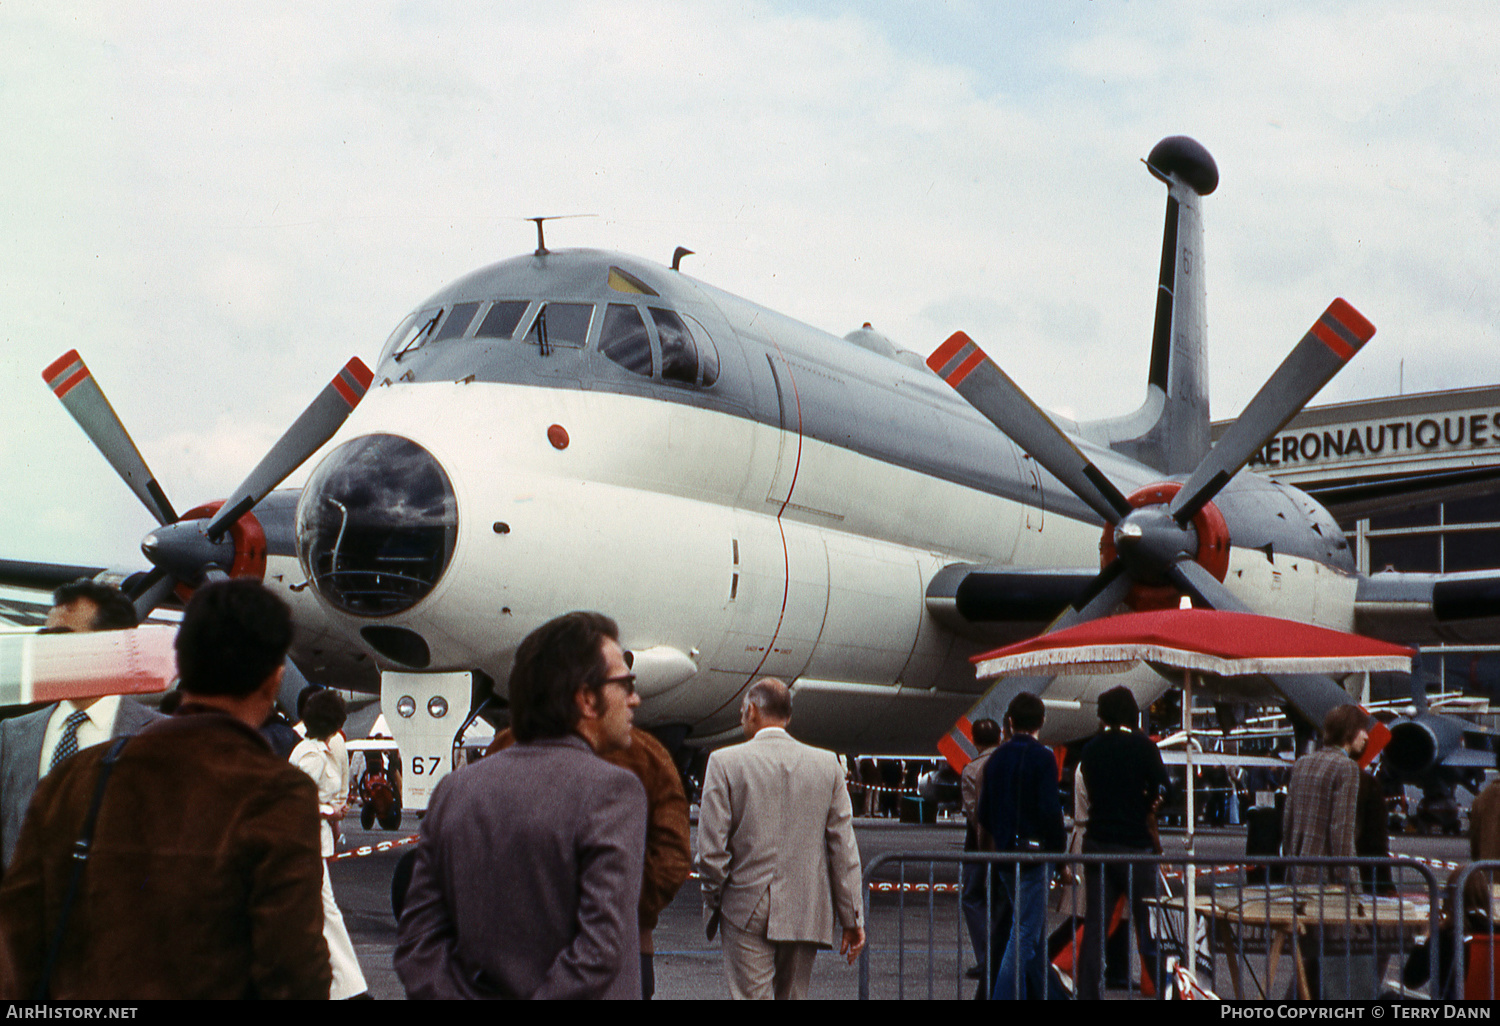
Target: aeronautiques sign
pixel 1383 439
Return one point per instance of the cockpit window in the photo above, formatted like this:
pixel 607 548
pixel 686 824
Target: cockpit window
pixel 413 332
pixel 561 324
pixel 679 354
pixel 624 339
pixel 624 281
pixel 503 319
pixel 708 354
pixel 458 321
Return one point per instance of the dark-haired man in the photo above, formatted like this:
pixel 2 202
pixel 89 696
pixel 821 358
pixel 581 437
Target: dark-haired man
pixel 1021 812
pixel 1322 797
pixel 669 843
pixel 777 859
pixel 986 909
pixel 528 872
pixel 1125 780
pixel 204 877
pixel 31 745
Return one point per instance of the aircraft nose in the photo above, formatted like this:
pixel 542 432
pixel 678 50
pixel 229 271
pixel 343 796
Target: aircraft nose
pixel 376 525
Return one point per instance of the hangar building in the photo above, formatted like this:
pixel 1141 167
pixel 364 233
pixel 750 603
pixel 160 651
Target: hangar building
pixel 1358 449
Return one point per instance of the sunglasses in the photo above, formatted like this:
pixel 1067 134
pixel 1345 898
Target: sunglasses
pixel 625 680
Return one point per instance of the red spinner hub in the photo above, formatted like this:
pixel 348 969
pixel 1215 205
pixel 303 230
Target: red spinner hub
pixel 1212 551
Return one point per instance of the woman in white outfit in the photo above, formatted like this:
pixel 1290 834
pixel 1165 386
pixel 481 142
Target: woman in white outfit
pixel 323 716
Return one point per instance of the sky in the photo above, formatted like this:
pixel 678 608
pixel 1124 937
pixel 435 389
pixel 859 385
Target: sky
pixel 219 204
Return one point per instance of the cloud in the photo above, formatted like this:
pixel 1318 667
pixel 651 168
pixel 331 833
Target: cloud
pixel 220 203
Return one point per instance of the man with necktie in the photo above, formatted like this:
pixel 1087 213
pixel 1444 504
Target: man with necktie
pixel 32 745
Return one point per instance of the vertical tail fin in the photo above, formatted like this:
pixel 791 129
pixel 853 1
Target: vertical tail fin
pixel 1170 431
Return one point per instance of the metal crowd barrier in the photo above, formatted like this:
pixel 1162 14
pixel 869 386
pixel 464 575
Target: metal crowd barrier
pixel 1264 928
pixel 1471 969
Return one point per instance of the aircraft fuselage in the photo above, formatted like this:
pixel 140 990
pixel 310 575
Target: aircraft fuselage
pixel 756 498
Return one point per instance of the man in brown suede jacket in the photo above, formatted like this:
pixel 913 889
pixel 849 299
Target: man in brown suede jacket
pixel 205 875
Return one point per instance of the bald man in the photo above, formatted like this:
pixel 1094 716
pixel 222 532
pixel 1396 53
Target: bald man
pixel 776 853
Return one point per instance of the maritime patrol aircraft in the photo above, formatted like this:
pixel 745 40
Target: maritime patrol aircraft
pixel 751 496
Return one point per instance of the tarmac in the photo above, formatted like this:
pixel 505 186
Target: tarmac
pixel 688 965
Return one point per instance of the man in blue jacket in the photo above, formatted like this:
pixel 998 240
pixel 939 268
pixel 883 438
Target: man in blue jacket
pixel 1020 810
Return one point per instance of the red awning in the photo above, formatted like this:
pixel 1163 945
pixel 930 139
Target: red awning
pixel 1202 640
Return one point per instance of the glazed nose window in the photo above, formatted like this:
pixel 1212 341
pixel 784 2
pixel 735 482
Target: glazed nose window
pixel 376 525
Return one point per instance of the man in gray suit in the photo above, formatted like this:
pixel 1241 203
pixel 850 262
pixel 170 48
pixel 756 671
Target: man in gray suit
pixel 31 745
pixel 776 853
pixel 528 872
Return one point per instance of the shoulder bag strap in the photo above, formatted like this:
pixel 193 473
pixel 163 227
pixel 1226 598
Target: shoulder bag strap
pixel 80 859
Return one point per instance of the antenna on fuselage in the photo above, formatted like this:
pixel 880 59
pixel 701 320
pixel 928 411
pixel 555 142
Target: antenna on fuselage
pixel 682 251
pixel 541 242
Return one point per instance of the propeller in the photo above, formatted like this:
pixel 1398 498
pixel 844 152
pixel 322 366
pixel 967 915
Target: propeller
pixel 987 388
pixel 1165 534
pixel 1166 540
pixel 1324 350
pixel 219 539
pixel 306 436
pixel 69 378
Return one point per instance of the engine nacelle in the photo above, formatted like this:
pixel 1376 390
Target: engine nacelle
pixel 1420 744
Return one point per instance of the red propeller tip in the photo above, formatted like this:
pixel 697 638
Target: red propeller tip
pixel 1343 329
pixel 955 358
pixel 65 372
pixel 363 374
pixel 1352 319
pixel 353 381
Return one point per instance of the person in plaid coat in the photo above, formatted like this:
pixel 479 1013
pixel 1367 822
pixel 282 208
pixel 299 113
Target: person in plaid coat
pixel 1322 798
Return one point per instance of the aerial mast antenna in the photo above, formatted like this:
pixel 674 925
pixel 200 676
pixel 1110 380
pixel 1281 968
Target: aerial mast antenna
pixel 541 242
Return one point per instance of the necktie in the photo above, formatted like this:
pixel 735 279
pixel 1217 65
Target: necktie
pixel 67 745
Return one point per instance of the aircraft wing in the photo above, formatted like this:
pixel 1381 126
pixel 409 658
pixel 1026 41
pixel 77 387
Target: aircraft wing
pixel 46 668
pixel 1469 758
pixel 1176 758
pixel 373 744
pixel 17 573
pixel 32 585
pixel 1430 608
pixel 1348 500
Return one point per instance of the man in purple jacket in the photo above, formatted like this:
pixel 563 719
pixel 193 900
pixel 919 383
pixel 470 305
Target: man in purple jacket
pixel 528 871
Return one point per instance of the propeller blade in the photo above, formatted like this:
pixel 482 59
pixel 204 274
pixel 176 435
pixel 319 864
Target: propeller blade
pixel 1312 695
pixel 1204 587
pixel 1101 599
pixel 991 391
pixel 1322 353
pixel 317 425
pixel 70 380
pixel 1106 592
pixel 154 590
pixel 956 746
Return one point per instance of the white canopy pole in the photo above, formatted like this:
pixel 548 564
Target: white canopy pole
pixel 1189 943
